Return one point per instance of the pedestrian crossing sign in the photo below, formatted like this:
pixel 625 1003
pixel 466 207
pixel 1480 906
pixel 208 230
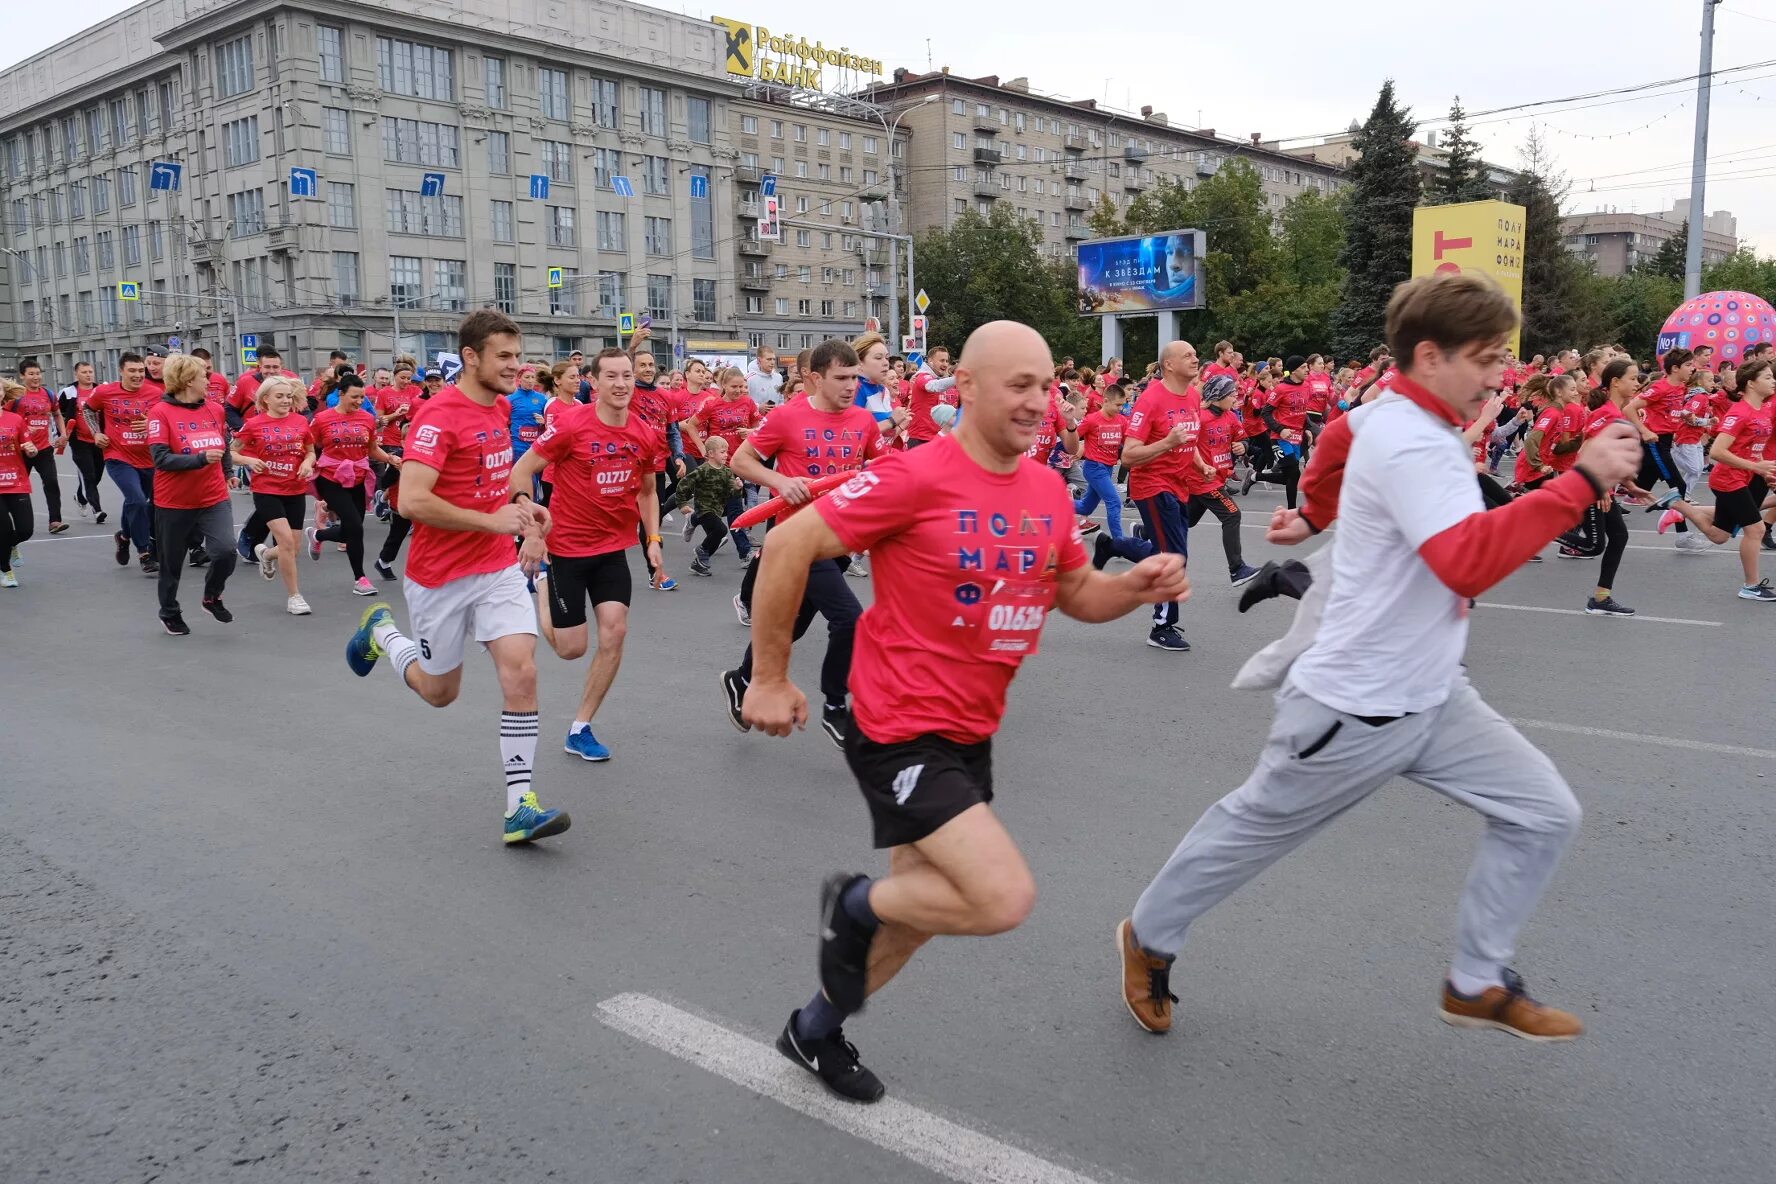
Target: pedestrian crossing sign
pixel 249 355
pixel 555 280
pixel 129 290
pixel 626 323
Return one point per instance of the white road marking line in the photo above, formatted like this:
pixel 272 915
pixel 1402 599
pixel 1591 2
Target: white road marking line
pixel 1579 612
pixel 944 1147
pixel 1664 741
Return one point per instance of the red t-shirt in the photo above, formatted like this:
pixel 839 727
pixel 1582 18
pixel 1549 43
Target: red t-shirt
pixel 1155 412
pixel 1572 425
pixel 118 409
pixel 15 477
pixel 37 409
pixel 1664 403
pixel 1695 404
pixel 470 447
pixel 388 400
pixel 808 442
pixel 598 477
pixel 966 564
pixel 1290 401
pixel 345 436
pixel 1718 404
pixel 1214 369
pixel 1319 392
pixel 247 389
pixel 1214 444
pixel 187 430
pixel 1548 422
pixel 1100 437
pixel 686 404
pixel 216 389
pixel 725 418
pixel 652 404
pixel 1048 433
pixel 281 443
pixel 921 401
pixel 1750 428
pixel 77 426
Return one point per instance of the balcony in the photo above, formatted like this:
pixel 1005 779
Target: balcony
pixel 1077 144
pixel 1134 182
pixel 1133 153
pixel 1075 201
pixel 986 125
pixel 202 253
pixel 754 248
pixel 1078 230
pixel 987 156
pixel 747 209
pixel 755 283
pixel 1074 170
pixel 988 189
pixel 281 240
pixel 748 174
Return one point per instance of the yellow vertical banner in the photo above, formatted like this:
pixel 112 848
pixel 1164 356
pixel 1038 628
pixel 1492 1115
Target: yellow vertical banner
pixel 1485 236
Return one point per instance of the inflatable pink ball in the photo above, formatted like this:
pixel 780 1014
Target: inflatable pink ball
pixel 1731 322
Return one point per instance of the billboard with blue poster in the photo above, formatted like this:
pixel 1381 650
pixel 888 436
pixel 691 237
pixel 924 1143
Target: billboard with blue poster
pixel 1142 273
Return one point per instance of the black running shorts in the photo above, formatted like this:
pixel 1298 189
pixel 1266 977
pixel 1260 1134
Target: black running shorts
pixel 288 506
pixel 592 578
pixel 1740 507
pixel 913 787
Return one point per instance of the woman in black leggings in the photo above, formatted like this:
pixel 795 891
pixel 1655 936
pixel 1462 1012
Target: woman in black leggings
pixel 16 451
pixel 1604 531
pixel 345 438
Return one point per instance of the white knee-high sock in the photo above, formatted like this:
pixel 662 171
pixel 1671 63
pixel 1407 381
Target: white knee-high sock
pixel 518 745
pixel 398 647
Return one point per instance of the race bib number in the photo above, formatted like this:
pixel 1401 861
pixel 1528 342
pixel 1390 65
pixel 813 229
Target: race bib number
pixel 1011 618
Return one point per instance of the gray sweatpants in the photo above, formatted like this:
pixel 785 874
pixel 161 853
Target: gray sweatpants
pixel 1690 460
pixel 1319 762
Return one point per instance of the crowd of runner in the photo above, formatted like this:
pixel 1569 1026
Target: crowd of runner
pixel 518 488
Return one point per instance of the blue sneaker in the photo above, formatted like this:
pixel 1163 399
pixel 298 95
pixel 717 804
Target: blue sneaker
pixel 362 651
pixel 666 585
pixel 243 548
pixel 585 745
pixel 529 821
pixel 1167 637
pixel 1245 573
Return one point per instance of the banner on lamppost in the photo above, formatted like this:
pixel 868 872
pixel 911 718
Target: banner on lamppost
pixel 1483 236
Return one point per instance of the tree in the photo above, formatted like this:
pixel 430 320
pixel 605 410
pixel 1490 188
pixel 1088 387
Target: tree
pixel 1670 259
pixel 1465 177
pixel 1313 232
pixel 1553 277
pixel 1742 271
pixel 1104 220
pixel 993 268
pixel 1377 251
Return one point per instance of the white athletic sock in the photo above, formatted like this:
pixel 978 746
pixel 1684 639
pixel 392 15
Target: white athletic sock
pixel 579 724
pixel 399 649
pixel 1471 985
pixel 518 746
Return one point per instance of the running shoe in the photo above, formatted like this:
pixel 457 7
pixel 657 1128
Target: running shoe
pixel 199 559
pixel 175 625
pixel 751 557
pixel 8 579
pixel 242 547
pixel 99 518
pixel 857 570
pixel 1609 606
pixel 1139 530
pixel 361 650
pixel 297 607
pixel 528 821
pixel 58 527
pixel 1251 480
pixel 384 570
pixel 1574 553
pixel 1662 502
pixel 741 611
pixel 836 723
pixel 1146 982
pixel 734 689
pixel 1769 543
pixel 85 510
pixel 267 557
pixel 1760 592
pixel 363 587
pixel 1669 519
pixel 312 541
pixel 1243 574
pixel 833 1059
pixel 1103 550
pixel 1508 1008
pixel 1166 637
pixel 700 567
pixel 214 606
pixel 585 745
pixel 122 541
pixel 690 527
pixel 15 558
pixel 150 565
pixel 1693 541
pixel 1533 559
pixel 666 585
pixel 844 947
pixel 1088 525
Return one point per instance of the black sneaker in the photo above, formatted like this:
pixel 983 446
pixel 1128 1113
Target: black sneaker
pixel 734 688
pixel 199 559
pixel 150 565
pixel 384 570
pixel 1139 530
pixel 175 625
pixel 216 609
pixel 1168 638
pixel 122 541
pixel 844 947
pixel 836 723
pixel 700 567
pixel 833 1059
pixel 1103 550
pixel 1262 586
pixel 99 518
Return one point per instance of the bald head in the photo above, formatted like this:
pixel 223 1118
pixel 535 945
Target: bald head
pixel 997 343
pixel 1179 366
pixel 1003 378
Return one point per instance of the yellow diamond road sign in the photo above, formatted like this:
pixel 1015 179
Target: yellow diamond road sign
pixel 922 301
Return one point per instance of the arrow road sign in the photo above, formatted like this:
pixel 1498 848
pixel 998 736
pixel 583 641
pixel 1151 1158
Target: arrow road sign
pixel 164 174
pixel 768 184
pixel 622 186
pixel 431 185
pixel 699 185
pixel 305 183
pixel 539 186
pixel 250 341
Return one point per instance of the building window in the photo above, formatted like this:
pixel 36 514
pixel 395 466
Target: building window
pixel 336 136
pixel 697 115
pixel 653 110
pixel 167 94
pixel 101 194
pixel 123 126
pixel 804 308
pixel 417 71
pixel 415 141
pixel 776 129
pixel 613 233
pixel 156 244
pixel 246 210
pixel 823 137
pixel 345 278
pixel 657 233
pixel 450 284
pixel 702 218
pixel 869 145
pixel 845 174
pixel 606 163
pixel 77 199
pixel 783 308
pixel 702 300
pixel 958 107
pixel 107 251
pixel 801 170
pixel 753 304
pixel 406 287
pixel 557 160
pixel 505 287
pixel 409 212
pixel 802 206
pixel 959 141
pixel 749 125
pixel 494 82
pixel 342 205
pixel 611 287
pixel 560 226
pixel 240 142
pixel 828 309
pixel 499 153
pixel 606 103
pixel 331 41
pixel 234 67
pixel 565 300
pixel 659 296
pixel 656 173
pixel 553 96
pixel 825 172
pixel 132 245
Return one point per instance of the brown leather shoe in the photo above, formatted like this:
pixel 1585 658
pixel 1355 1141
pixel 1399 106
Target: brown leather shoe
pixel 1509 1009
pixel 1146 985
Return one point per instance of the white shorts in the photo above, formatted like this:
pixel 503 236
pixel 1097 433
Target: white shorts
pixel 490 605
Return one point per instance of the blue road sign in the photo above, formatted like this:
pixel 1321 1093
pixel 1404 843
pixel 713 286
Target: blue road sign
pixel 622 186
pixel 249 341
pixel 305 182
pixel 164 174
pixel 768 185
pixel 129 290
pixel 431 185
pixel 175 343
pixel 249 355
pixel 626 323
pixel 699 185
pixel 539 186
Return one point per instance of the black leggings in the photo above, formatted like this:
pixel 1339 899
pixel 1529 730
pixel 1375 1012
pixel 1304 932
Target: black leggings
pixel 347 505
pixel 43 464
pixel 714 531
pixel 391 546
pixel 16 522
pixel 1287 473
pixel 89 462
pixel 1602 532
pixel 1227 512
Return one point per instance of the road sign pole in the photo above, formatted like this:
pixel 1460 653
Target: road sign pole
pixel 911 286
pixel 893 293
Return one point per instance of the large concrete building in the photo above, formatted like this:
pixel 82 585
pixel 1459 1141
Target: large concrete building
pixel 985 141
pixel 1616 241
pixel 1432 159
pixel 428 128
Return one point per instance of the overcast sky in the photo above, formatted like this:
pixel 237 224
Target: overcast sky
pixel 1302 67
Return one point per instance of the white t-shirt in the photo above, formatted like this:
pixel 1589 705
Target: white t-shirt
pixel 1393 635
pixel 764 388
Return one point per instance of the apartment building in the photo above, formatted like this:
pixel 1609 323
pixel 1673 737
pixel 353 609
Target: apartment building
pixel 1616 241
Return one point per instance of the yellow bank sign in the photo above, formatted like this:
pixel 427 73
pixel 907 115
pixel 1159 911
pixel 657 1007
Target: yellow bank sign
pixel 753 51
pixel 1485 236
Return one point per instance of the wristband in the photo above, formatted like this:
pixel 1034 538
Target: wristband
pixel 1597 488
pixel 521 494
pixel 654 538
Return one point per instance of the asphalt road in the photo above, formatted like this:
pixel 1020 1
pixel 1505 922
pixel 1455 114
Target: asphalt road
pixel 256 922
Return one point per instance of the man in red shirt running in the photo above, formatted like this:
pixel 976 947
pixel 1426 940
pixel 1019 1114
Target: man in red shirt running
pixel 463 578
pixel 930 386
pixel 117 415
pixel 973 545
pixel 48 432
pixel 1159 448
pixel 605 459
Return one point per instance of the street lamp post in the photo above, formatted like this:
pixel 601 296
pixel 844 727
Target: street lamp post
pixel 894 226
